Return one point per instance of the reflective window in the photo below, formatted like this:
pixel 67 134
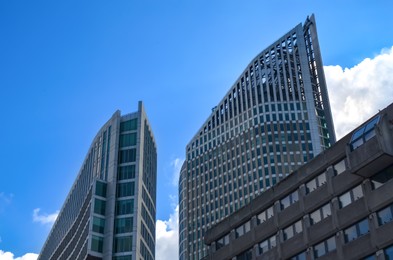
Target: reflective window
pixel 123 244
pixel 128 125
pixel 316 182
pixel 293 230
pixel 124 207
pixel 388 253
pixel 128 155
pixel 364 133
pixel 385 215
pixel 382 177
pixel 267 244
pixel 126 172
pixel 100 189
pixel 324 247
pixel 243 229
pixel 125 189
pixel 123 225
pixel 339 167
pixel 222 242
pixel 321 213
pixel 265 215
pixel 350 196
pixel 289 200
pixel 97 243
pixel 99 206
pixel 98 225
pixel 127 140
pixel 359 229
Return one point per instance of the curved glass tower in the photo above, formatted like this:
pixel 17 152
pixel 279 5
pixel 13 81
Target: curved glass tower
pixel 272 120
pixel 110 212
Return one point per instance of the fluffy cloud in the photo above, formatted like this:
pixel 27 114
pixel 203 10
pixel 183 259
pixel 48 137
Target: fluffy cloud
pixel 176 164
pixel 10 256
pixel 44 218
pixel 359 92
pixel 167 237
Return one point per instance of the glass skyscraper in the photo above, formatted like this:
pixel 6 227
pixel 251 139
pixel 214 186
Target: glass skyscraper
pixel 110 212
pixel 274 118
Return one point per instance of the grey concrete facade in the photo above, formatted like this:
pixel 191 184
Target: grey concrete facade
pixel 272 120
pixel 110 212
pixel 337 206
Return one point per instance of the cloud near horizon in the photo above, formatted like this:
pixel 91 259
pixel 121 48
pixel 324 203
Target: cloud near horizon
pixel 44 218
pixel 359 92
pixel 10 256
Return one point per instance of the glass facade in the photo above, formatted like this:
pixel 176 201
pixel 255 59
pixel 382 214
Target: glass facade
pixel 103 213
pixel 273 119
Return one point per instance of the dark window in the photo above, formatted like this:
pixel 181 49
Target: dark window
pixel 388 253
pixel 123 225
pixel 97 243
pixel 123 244
pixel 101 189
pixel 127 140
pixel 99 206
pixel 124 207
pixel 385 215
pixel 128 125
pixel 324 247
pixel 98 225
pixel 128 155
pixel 125 189
pixel 301 256
pixel 382 177
pixel 126 172
pixel 359 229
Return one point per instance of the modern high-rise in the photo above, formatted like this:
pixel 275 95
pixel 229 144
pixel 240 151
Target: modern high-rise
pixel 110 212
pixel 274 118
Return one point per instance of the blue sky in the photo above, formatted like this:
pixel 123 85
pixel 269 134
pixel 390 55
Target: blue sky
pixel 66 66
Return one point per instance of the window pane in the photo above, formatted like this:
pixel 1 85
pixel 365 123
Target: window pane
pixel 331 244
pixel 123 244
pixel 322 179
pixel 127 139
pixel 339 167
pixel 99 206
pixel 123 225
pixel 315 217
pixel 288 232
pixel 357 192
pixel 263 246
pixel 126 172
pixel 298 227
pixel 350 234
pixel 311 185
pixel 363 227
pixel 97 243
pixel 345 199
pixel 385 215
pixel 98 225
pixel 389 253
pixel 100 189
pixel 319 250
pixel 285 202
pixel 269 212
pixel 128 125
pixel 273 242
pixel 326 211
pixel 124 207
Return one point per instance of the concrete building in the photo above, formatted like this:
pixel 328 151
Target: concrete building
pixel 337 206
pixel 273 119
pixel 110 212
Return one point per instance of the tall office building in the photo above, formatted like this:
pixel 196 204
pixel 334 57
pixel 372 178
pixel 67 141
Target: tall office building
pixel 110 212
pixel 272 120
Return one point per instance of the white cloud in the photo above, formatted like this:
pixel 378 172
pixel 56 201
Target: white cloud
pixel 44 218
pixel 359 92
pixel 6 198
pixel 167 237
pixel 10 256
pixel 176 164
